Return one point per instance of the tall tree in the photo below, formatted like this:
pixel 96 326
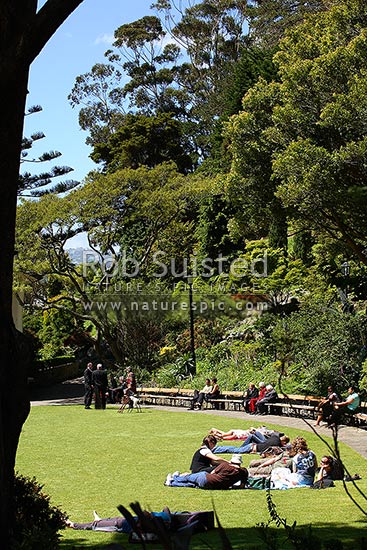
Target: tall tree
pixel 270 19
pixel 181 77
pixel 301 143
pixel 136 222
pixel 24 31
pixel 145 141
pixel 320 124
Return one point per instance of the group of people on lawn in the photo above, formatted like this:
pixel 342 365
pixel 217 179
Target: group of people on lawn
pixel 96 386
pixel 286 464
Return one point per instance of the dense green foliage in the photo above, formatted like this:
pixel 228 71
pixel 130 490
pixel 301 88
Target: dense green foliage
pixel 240 163
pixel 37 522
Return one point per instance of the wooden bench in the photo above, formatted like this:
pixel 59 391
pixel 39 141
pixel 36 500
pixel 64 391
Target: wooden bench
pixel 361 418
pixel 228 401
pixel 172 397
pixel 294 405
pixel 303 406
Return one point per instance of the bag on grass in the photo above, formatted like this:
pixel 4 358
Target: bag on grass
pixel 323 484
pixel 258 483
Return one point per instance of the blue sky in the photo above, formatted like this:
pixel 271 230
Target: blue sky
pixel 77 45
pixel 72 51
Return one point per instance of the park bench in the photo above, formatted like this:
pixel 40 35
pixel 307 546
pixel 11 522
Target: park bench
pixel 300 406
pixel 304 406
pixel 359 419
pixel 228 401
pixel 178 397
pixel 172 397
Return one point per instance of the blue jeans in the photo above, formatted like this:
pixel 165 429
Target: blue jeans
pixel 190 480
pixel 246 446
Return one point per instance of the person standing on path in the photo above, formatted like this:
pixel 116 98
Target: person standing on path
pixel 88 385
pixel 100 383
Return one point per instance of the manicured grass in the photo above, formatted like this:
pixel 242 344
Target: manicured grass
pixel 98 459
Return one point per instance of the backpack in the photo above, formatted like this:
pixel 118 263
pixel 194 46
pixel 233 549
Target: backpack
pixel 338 469
pixel 323 484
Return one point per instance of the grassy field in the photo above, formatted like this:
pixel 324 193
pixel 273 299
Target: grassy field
pixel 98 459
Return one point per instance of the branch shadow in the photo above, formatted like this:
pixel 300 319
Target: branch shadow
pixel 240 539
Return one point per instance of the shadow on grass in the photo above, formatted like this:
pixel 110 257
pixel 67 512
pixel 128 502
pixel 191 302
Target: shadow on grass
pixel 351 537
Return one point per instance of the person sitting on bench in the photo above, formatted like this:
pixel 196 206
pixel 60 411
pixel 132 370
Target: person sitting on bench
pixel 349 407
pixel 210 391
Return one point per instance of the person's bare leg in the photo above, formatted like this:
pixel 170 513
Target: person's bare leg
pixel 69 523
pixel 217 433
pixel 318 420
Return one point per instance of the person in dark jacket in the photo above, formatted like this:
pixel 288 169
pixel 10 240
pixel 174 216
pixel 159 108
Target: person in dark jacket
pixel 249 394
pixel 203 459
pixel 100 383
pixel 88 385
pixel 270 397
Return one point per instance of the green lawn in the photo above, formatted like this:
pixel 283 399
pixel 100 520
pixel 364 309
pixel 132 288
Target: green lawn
pixel 98 459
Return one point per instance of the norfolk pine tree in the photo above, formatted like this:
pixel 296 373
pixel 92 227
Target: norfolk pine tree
pixel 24 31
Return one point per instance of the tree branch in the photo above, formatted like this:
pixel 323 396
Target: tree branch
pixel 49 18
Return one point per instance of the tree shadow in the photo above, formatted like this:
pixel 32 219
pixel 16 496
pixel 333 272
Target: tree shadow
pixel 240 539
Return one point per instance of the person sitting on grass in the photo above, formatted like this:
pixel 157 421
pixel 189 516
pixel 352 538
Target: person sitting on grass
pixel 203 459
pixel 303 468
pixel 223 476
pixel 327 469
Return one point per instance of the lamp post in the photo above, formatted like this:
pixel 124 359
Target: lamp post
pixel 345 271
pixel 189 280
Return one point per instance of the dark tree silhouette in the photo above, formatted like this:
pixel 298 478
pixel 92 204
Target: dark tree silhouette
pixel 24 31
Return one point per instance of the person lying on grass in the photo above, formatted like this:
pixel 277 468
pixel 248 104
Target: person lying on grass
pixel 223 476
pixel 240 434
pixel 256 442
pixel 116 524
pixel 231 434
pixel 264 466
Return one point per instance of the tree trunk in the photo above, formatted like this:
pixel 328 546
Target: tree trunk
pixel 23 33
pixel 14 405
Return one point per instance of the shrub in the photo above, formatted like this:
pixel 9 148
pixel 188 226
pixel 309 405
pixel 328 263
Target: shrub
pixel 36 522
